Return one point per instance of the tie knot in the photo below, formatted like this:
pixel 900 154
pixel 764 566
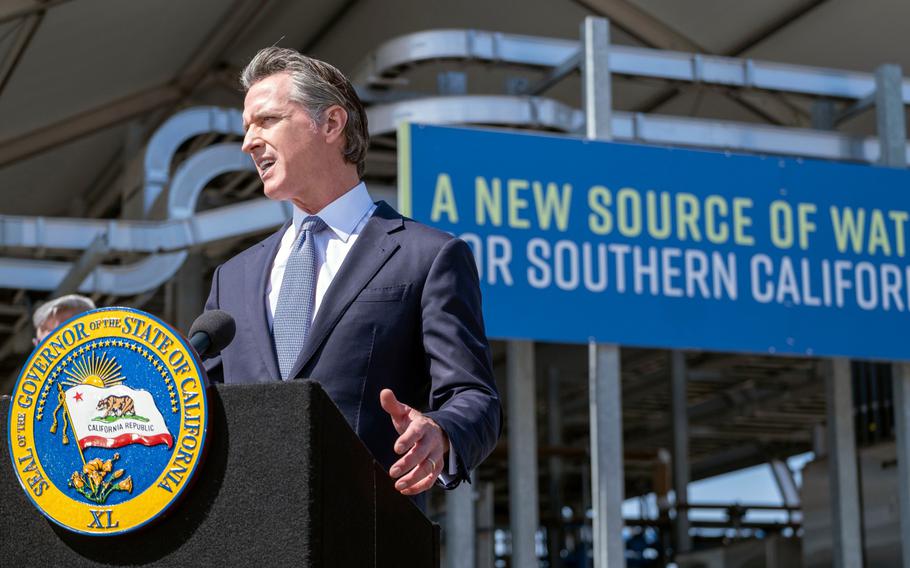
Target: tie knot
pixel 313 223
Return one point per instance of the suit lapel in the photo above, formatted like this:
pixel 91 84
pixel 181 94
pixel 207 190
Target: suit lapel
pixel 373 248
pixel 256 280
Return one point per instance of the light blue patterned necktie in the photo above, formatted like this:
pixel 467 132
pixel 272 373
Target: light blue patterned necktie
pixel 297 298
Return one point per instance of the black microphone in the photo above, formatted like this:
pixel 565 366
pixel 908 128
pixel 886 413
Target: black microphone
pixel 212 332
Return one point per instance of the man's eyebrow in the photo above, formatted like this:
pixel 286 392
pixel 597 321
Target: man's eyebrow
pixel 253 116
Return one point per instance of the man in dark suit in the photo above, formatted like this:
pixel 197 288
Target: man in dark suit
pixel 383 311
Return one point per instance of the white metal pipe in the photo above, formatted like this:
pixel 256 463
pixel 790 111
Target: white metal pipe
pixel 409 50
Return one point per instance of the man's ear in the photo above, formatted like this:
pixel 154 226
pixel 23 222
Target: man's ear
pixel 336 118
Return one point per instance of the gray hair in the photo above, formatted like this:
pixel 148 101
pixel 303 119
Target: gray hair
pixel 70 303
pixel 317 86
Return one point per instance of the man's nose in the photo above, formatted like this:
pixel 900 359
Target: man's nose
pixel 250 141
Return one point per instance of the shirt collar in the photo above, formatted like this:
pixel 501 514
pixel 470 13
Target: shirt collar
pixel 342 215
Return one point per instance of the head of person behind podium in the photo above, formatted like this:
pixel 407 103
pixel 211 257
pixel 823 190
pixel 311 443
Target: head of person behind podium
pixel 51 314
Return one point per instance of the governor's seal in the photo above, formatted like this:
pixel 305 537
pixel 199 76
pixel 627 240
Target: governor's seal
pixel 108 421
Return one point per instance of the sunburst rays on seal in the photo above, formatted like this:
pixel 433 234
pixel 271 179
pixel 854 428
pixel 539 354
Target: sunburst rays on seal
pixel 97 371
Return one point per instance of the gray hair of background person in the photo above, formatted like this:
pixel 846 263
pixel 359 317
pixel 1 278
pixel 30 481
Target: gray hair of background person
pixel 317 86
pixel 70 303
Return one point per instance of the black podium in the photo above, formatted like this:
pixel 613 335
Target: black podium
pixel 285 482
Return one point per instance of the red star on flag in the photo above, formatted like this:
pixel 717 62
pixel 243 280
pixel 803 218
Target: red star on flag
pixel 77 396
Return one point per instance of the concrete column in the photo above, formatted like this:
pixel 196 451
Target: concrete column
pixel 485 525
pixel 681 472
pixel 892 135
pixel 460 527
pixel 555 465
pixel 846 538
pixel 607 478
pixel 521 414
pixel 607 472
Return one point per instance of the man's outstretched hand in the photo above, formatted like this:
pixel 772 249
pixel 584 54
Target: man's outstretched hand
pixel 421 443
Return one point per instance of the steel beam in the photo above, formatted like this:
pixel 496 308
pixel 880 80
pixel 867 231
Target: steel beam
pixel 14 54
pixel 561 71
pixel 774 26
pixel 604 377
pixel 783 476
pixel 681 468
pixel 225 33
pixel 597 92
pixel 892 134
pixel 730 459
pixel 641 25
pixel 653 32
pixel 238 17
pixel 731 401
pixel 90 258
pixel 337 17
pixel 12 9
pixel 842 466
pixel 13 310
pixel 656 33
pixel 67 130
pixel 522 406
pixel 723 432
pixel 890 117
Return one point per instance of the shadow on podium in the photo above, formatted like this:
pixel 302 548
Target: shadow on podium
pixel 284 482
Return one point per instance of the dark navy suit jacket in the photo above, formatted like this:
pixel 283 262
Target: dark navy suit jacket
pixel 403 312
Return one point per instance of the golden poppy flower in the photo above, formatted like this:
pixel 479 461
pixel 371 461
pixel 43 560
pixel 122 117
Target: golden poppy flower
pixel 126 485
pixel 92 466
pixel 95 478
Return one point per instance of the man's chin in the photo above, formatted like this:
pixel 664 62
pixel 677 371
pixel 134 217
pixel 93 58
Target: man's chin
pixel 272 191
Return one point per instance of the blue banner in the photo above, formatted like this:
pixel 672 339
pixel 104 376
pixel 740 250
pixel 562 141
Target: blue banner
pixel 672 248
